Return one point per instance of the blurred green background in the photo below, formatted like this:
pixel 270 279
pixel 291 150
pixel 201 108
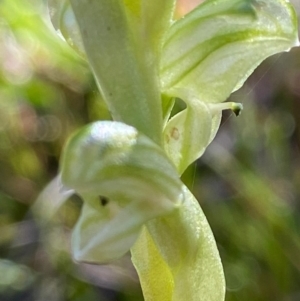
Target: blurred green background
pixel 248 181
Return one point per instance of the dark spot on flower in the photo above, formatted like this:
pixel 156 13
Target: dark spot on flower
pixel 237 109
pixel 103 200
pixel 175 133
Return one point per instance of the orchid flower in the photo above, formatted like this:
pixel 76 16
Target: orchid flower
pixel 128 171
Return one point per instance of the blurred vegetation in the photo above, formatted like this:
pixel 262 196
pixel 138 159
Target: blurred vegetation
pixel 248 181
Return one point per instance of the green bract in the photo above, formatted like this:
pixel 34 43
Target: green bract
pixel 127 172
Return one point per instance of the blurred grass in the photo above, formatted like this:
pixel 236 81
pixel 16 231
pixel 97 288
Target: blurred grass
pixel 248 182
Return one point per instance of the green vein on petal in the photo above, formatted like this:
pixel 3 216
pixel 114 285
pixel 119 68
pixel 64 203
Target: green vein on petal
pixel 214 49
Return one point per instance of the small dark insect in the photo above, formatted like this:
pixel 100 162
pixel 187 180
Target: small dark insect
pixel 103 200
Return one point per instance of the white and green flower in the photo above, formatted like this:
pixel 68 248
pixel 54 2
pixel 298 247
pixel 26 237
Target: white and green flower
pixel 127 171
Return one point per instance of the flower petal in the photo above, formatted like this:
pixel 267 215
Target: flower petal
pixel 214 49
pixel 188 133
pixel 124 179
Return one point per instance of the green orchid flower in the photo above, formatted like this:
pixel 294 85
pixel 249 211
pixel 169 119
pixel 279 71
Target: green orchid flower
pixel 117 184
pixel 128 171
